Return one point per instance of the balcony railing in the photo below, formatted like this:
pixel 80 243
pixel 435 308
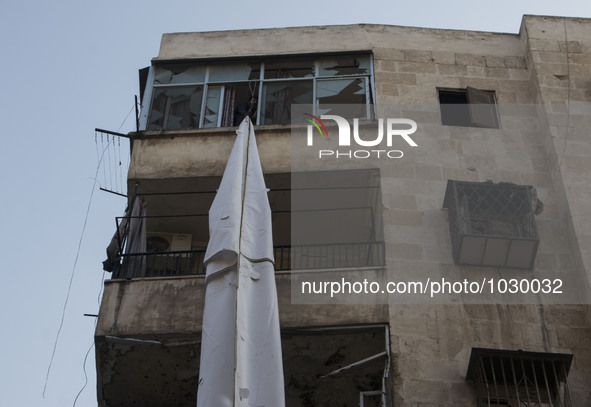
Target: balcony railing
pixel 300 257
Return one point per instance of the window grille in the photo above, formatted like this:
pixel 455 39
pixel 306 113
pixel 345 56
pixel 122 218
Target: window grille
pixel 520 379
pixel 491 224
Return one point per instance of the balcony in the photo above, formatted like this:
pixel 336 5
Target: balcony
pixel 174 254
pixel 336 218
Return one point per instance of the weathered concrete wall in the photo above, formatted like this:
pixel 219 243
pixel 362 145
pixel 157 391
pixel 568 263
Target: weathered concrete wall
pixel 559 59
pixel 200 153
pixel 431 346
pixel 151 306
pixel 174 307
pixel 357 37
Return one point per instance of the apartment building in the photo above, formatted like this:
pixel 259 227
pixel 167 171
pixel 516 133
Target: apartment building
pixel 493 199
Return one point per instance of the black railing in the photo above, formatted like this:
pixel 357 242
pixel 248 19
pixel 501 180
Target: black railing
pixel 161 264
pixel 296 257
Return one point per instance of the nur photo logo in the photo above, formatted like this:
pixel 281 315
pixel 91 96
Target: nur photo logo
pixel 377 146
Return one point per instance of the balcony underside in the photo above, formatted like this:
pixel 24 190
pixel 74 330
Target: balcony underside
pixel 164 371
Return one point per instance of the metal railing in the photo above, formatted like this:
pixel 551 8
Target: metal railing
pixel 330 256
pixel 484 208
pixel 161 264
pixel 296 257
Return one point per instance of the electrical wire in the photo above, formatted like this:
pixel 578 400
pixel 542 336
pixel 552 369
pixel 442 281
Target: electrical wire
pixel 126 117
pixel 102 155
pixel 109 159
pixel 95 178
pixel 120 188
pixel 98 299
pixel 119 164
pixel 85 374
pixel 73 272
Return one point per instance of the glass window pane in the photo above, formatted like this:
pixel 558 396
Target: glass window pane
pixel 347 92
pixel 179 74
pixel 289 68
pixel 240 71
pixel 185 108
pixel 212 107
pixel 193 74
pixel 344 65
pixel 175 108
pixel 279 96
pixel 162 76
pixel 338 91
pixel 158 108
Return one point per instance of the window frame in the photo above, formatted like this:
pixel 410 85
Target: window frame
pixel 476 113
pixel 260 84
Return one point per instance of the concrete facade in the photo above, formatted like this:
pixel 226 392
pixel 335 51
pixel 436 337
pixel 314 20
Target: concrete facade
pixel 148 331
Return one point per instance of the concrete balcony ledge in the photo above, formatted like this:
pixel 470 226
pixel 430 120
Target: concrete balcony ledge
pixel 203 152
pixel 155 306
pixel 150 306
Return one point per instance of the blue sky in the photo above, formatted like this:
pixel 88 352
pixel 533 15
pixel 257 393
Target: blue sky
pixel 71 66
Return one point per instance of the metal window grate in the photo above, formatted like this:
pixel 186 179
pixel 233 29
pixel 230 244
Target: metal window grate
pixel 520 379
pixel 491 224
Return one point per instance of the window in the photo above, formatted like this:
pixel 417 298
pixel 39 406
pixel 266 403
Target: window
pixel 519 379
pixel 468 107
pixel 188 96
pixel 492 224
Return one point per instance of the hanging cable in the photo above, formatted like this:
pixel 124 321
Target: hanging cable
pixel 116 182
pixel 97 147
pixel 109 160
pixel 119 163
pixel 126 117
pixel 103 149
pixel 115 175
pixel 72 274
pixel 91 345
pixel 85 374
pixel 100 158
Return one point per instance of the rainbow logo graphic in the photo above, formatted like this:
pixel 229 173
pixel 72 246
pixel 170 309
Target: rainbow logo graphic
pixel 316 122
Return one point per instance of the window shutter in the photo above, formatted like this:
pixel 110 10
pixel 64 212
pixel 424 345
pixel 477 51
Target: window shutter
pixel 482 107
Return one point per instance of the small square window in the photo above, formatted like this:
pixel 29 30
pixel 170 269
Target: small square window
pixel 518 378
pixel 468 107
